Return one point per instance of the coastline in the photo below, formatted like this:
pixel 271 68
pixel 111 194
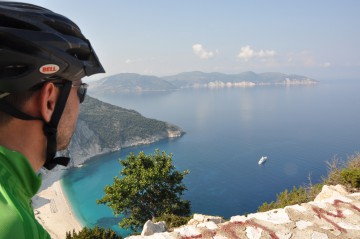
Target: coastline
pixel 52 208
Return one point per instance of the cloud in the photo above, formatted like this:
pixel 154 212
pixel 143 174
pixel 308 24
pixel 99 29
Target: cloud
pixel 326 64
pixel 246 52
pixel 201 52
pixel 267 53
pixel 132 61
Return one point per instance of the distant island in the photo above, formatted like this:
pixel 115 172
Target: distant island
pixel 131 82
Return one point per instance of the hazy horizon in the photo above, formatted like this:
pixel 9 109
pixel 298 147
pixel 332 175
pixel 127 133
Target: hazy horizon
pixel 315 39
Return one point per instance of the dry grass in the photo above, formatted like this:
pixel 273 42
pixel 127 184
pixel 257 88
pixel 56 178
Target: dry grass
pixel 336 167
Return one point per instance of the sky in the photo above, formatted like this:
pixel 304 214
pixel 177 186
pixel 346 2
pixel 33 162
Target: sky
pixel 319 39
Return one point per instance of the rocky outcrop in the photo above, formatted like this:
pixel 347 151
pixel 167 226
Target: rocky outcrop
pixel 85 143
pixel 151 228
pixel 335 213
pixel 199 218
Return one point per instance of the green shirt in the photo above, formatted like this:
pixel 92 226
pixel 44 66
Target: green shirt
pixel 18 184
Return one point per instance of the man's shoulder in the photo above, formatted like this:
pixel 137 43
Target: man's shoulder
pixel 15 220
pixel 16 224
pixel 10 220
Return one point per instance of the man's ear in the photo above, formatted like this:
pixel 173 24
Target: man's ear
pixel 48 98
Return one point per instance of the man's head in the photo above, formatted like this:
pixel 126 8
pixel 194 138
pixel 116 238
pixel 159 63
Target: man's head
pixel 43 57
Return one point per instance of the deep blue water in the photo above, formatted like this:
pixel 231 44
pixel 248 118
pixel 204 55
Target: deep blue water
pixel 299 128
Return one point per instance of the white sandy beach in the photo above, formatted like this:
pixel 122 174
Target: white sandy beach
pixel 52 208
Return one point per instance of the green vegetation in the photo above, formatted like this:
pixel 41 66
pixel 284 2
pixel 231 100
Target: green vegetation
pixel 347 174
pixel 173 221
pixel 149 187
pixel 115 125
pixel 95 233
pixel 351 176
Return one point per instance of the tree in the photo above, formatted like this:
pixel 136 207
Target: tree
pixel 93 233
pixel 149 186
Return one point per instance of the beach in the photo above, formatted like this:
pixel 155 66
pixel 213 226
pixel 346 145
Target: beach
pixel 52 208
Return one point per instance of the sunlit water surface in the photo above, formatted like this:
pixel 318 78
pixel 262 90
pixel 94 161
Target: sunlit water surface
pixel 298 128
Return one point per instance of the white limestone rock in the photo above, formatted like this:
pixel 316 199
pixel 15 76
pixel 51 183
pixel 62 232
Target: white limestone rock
pixel 276 216
pixel 238 218
pixel 199 218
pixel 303 224
pixel 349 226
pixel 296 207
pixel 329 193
pixel 150 228
pixel 318 235
pixel 281 235
pixel 253 233
pixel 164 235
pixel 209 225
pixel 188 231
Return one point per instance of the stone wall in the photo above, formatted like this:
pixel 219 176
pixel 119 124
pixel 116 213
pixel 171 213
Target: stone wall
pixel 335 213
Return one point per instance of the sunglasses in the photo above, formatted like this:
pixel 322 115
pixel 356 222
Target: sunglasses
pixel 81 91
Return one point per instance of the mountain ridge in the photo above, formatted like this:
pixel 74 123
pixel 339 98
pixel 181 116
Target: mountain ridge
pixel 132 82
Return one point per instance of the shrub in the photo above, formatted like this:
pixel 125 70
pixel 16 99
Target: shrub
pixel 345 174
pixel 285 198
pixel 351 176
pixel 93 233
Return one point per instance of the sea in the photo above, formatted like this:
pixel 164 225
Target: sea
pixel 299 128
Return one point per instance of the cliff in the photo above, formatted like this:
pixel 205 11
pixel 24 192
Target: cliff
pixel 335 213
pixel 103 127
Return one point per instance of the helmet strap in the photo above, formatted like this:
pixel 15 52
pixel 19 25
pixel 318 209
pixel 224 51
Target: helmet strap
pixel 11 110
pixel 50 130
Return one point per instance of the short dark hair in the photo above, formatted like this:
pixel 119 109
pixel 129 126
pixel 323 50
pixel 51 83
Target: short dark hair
pixel 17 100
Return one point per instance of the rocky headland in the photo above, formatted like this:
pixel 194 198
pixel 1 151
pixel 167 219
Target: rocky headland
pixel 103 128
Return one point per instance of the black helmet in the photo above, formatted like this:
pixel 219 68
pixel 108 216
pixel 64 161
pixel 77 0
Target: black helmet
pixel 37 44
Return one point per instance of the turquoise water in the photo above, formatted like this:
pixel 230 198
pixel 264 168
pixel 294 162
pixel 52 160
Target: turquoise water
pixel 299 128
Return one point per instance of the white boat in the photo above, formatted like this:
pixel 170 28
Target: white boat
pixel 262 160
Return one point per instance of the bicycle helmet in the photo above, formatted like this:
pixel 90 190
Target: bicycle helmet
pixel 38 45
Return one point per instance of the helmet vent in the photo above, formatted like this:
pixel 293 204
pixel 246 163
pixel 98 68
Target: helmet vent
pixel 79 53
pixel 12 70
pixel 15 23
pixel 64 28
pixel 15 43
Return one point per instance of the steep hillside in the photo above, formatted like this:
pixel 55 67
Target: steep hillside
pixel 103 127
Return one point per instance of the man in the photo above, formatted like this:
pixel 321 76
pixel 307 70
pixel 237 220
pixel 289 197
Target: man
pixel 43 56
